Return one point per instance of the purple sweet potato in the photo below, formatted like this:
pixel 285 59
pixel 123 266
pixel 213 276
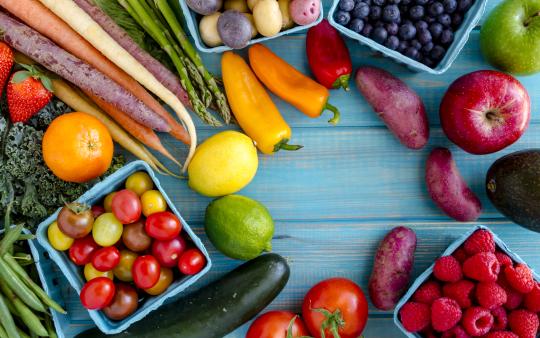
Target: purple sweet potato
pixel 392 268
pixel 401 109
pixel 448 189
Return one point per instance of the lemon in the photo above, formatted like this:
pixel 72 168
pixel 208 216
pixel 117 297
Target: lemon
pixel 239 227
pixel 223 164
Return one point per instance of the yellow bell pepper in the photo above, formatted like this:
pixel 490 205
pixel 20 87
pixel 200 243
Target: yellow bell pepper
pixel 252 106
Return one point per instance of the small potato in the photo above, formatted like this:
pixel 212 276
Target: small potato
pixel 304 12
pixel 205 7
pixel 254 31
pixel 267 17
pixel 234 29
pixel 208 30
pixel 251 4
pixel 239 5
pixel 286 20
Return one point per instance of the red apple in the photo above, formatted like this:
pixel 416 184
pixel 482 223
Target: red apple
pixel 485 111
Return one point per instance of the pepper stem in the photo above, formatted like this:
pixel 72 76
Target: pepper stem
pixel 283 145
pixel 342 82
pixel 334 120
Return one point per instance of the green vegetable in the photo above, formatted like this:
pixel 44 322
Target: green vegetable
pixel 11 280
pixel 29 319
pixel 6 320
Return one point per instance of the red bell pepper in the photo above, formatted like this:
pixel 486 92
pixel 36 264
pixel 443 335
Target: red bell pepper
pixel 328 56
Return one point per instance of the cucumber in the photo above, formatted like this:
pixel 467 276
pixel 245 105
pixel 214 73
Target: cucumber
pixel 217 309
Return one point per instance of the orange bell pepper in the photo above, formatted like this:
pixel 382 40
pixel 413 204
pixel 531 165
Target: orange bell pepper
pixel 252 106
pixel 308 96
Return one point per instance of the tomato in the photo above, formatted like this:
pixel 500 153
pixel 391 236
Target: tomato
pixel 135 238
pixel 126 206
pixel 165 279
pixel 106 259
pixel 191 262
pixel 145 271
pixel 57 238
pixel 124 303
pixel 331 295
pixel 168 252
pixel 90 272
pixel 107 229
pixel 276 324
pixel 123 270
pixel 152 202
pixel 75 220
pixel 97 210
pixel 139 182
pixel 82 250
pixel 163 226
pixel 97 293
pixel 107 202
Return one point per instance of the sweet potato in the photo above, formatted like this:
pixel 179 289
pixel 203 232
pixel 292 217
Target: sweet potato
pixel 392 268
pixel 448 189
pixel 401 109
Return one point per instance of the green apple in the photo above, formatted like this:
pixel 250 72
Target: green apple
pixel 510 38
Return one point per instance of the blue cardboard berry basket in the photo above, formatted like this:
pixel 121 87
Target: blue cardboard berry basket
pixel 471 19
pixel 74 274
pixel 427 274
pixel 192 22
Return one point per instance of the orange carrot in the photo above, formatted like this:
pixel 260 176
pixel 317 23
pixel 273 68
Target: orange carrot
pixel 37 16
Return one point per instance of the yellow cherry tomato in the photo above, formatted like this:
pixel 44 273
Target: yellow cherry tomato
pixel 165 279
pixel 107 202
pixel 152 202
pixel 123 270
pixel 139 182
pixel 107 229
pixel 90 273
pixel 57 238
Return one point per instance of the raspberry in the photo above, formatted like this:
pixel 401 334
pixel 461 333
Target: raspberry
pixel 502 334
pixel 429 333
pixel 500 319
pixel 504 259
pixel 523 323
pixel 460 255
pixel 519 278
pixel 479 241
pixel 490 295
pixel 532 299
pixel 447 269
pixel 415 316
pixel 483 267
pixel 477 321
pixel 456 332
pixel 513 298
pixel 445 314
pixel 427 292
pixel 460 292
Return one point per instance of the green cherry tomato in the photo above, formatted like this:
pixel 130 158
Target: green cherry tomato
pixel 107 230
pixel 139 183
pixel 123 270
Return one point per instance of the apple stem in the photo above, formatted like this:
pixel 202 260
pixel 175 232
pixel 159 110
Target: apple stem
pixel 531 18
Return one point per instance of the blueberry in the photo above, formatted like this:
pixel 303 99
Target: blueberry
pixel 436 30
pixel 379 2
pixel 375 13
pixel 379 24
pixel 457 19
pixel 412 53
pixel 445 20
pixel 367 30
pixel 392 28
pixel 342 17
pixel 346 5
pixel 403 45
pixel 424 36
pixel 406 2
pixel 415 44
pixel 356 25
pixel 447 37
pixel 421 25
pixel 421 2
pixel 361 10
pixel 367 2
pixel 426 48
pixel 464 5
pixel 436 9
pixel 437 53
pixel 428 62
pixel 430 19
pixel 416 12
pixel 379 35
pixel 392 42
pixel 407 31
pixel 391 13
pixel 450 6
pixel 394 2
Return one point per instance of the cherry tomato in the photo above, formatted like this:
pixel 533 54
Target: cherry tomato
pixel 145 271
pixel 97 293
pixel 90 272
pixel 123 270
pixel 165 279
pixel 152 202
pixel 331 295
pixel 163 226
pixel 107 229
pixel 126 206
pixel 168 252
pixel 75 220
pixel 191 262
pixel 57 238
pixel 135 238
pixel 124 303
pixel 82 250
pixel 97 210
pixel 276 324
pixel 139 183
pixel 106 259
pixel 107 202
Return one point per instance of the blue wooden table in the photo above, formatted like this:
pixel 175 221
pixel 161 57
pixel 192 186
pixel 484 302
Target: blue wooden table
pixel 335 199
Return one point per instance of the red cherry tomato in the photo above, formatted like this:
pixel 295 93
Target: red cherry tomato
pixel 97 293
pixel 168 252
pixel 82 250
pixel 126 206
pixel 106 259
pixel 145 271
pixel 163 226
pixel 331 295
pixel 276 324
pixel 97 210
pixel 191 262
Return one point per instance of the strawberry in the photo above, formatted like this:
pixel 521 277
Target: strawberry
pixel 28 91
pixel 6 63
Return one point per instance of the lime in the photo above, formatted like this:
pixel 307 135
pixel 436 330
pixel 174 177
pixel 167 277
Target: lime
pixel 239 227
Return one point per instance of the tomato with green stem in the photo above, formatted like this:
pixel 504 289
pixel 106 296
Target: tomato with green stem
pixel 278 324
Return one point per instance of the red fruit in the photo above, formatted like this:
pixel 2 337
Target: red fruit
pixel 447 269
pixel 445 314
pixel 477 321
pixel 490 295
pixel 504 259
pixel 500 319
pixel 479 241
pixel 456 332
pixel 460 255
pixel 532 299
pixel 519 278
pixel 6 63
pixel 168 252
pixel 415 316
pixel 502 334
pixel 523 323
pixel 460 291
pixel 483 267
pixel 28 91
pixel 513 298
pixel 427 293
pixel 429 333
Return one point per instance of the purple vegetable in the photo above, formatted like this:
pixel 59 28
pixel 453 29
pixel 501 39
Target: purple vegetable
pixel 448 189
pixel 392 268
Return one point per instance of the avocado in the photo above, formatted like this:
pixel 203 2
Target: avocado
pixel 513 186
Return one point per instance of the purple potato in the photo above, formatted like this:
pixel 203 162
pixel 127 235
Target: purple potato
pixel 234 29
pixel 205 7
